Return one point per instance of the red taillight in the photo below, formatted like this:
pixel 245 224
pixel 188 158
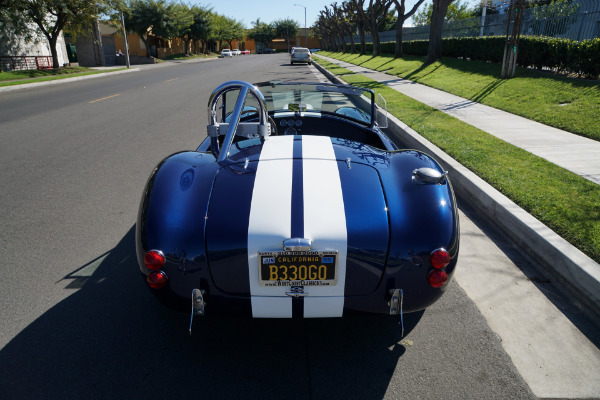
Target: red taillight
pixel 439 259
pixel 154 259
pixel 156 279
pixel 293 55
pixel 437 278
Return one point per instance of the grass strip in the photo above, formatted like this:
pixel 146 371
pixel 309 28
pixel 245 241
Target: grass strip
pixel 12 78
pixel 564 201
pixel 565 103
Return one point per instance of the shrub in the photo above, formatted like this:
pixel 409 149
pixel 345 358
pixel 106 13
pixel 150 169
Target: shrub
pixel 562 55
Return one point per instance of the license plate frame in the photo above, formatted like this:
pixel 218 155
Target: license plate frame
pixel 311 265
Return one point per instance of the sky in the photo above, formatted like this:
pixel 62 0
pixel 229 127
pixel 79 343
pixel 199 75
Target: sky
pixel 268 11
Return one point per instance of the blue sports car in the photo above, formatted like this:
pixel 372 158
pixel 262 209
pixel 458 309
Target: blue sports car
pixel 297 205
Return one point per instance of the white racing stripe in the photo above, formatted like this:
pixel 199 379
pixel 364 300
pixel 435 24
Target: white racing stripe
pixel 324 221
pixel 270 222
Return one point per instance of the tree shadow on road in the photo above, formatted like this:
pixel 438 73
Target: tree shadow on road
pixel 113 339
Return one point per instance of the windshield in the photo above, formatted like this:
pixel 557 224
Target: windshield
pixel 348 101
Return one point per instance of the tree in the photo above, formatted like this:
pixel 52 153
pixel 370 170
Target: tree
pixel 402 16
pixel 434 52
pixel 145 16
pixel 226 29
pixel 235 31
pixel 343 24
pixel 12 20
pixel 349 16
pixel 325 31
pixel 362 23
pixel 321 31
pixel 51 17
pixel 262 33
pixel 332 25
pixel 201 27
pixel 180 21
pixel 286 28
pixel 218 23
pixel 456 11
pixel 375 14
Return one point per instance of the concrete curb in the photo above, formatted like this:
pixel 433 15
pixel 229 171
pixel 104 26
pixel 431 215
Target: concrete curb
pixel 578 272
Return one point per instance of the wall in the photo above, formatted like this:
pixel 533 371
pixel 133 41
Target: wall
pixel 13 45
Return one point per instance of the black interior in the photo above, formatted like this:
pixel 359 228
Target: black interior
pixel 328 125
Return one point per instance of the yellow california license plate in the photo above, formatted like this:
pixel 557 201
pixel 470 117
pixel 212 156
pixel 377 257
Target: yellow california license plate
pixel 297 268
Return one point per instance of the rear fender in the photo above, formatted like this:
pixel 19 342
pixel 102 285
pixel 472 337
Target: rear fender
pixel 423 218
pixel 172 215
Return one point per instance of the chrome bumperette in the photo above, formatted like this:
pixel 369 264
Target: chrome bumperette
pixel 297 244
pixel 198 305
pixel 396 305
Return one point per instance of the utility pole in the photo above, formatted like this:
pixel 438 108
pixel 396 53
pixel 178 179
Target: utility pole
pixel 509 62
pixel 125 40
pixel 305 31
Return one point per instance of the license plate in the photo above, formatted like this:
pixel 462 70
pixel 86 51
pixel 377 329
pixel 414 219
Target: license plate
pixel 297 268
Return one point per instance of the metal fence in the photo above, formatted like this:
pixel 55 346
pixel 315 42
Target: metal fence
pixel 19 63
pixel 579 20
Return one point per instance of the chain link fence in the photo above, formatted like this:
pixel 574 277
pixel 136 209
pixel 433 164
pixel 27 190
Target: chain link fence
pixel 579 20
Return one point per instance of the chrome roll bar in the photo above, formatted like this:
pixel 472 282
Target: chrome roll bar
pixel 262 128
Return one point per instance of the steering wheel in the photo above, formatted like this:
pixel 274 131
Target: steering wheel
pixel 273 126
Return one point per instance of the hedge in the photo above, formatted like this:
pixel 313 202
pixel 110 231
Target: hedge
pixel 560 55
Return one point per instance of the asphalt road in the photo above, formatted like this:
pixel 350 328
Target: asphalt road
pixel 77 320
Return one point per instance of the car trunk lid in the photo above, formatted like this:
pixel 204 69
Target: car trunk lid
pixel 297 190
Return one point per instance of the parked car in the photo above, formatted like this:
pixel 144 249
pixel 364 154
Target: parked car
pixel 226 53
pixel 245 52
pixel 236 52
pixel 300 55
pixel 267 51
pixel 297 205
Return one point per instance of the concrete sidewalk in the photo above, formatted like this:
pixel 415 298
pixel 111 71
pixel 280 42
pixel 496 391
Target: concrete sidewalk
pixel 572 152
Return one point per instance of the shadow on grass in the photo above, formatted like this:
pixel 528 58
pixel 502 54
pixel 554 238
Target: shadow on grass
pixel 412 75
pixel 487 90
pixel 381 67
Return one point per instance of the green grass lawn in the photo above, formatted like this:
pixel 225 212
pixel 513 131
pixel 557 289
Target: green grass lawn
pixel 565 103
pixel 564 201
pixel 29 76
